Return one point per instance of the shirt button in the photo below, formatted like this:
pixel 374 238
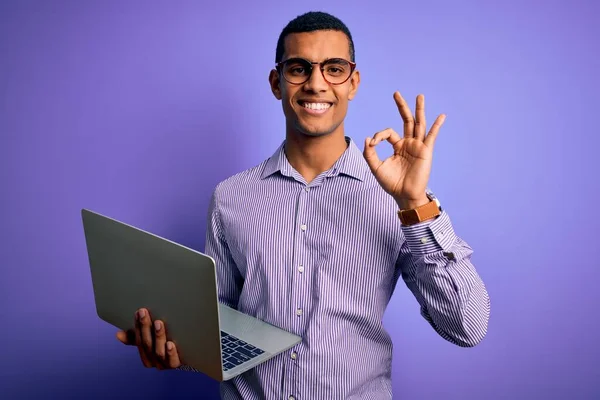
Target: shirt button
pixel 294 355
pixel 299 312
pixel 424 240
pixel 301 269
pixel 291 398
pixel 307 189
pixel 303 227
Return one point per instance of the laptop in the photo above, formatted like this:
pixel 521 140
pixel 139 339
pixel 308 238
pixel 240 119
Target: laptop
pixel 132 268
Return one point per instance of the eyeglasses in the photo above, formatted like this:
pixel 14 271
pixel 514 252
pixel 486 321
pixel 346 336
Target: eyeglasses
pixel 298 70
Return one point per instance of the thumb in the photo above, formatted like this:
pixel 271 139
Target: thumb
pixel 127 338
pixel 371 155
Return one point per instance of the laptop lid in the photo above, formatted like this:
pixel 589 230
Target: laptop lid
pixel 132 268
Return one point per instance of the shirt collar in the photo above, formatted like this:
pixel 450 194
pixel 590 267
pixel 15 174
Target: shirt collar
pixel 351 163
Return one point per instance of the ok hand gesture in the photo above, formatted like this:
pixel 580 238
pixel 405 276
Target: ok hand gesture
pixel 404 175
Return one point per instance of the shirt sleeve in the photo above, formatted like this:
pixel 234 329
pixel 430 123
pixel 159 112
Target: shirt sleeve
pixel 436 266
pixel 230 281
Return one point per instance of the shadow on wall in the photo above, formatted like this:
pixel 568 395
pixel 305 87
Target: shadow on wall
pixel 222 151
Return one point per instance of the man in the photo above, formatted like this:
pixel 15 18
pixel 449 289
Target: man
pixel 314 239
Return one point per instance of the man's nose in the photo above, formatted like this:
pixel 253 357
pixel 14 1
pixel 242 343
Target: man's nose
pixel 316 81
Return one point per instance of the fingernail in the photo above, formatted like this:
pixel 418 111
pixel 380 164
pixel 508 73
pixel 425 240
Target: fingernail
pixel 157 326
pixel 170 345
pixel 141 314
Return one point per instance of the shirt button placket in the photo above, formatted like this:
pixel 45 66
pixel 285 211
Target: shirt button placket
pixel 298 284
pixel 303 228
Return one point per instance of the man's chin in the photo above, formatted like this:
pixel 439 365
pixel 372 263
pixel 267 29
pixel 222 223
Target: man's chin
pixel 315 131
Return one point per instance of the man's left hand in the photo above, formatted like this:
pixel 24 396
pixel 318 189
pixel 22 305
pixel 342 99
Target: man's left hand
pixel 404 175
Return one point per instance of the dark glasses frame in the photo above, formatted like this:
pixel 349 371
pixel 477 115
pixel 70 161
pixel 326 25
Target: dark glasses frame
pixel 279 67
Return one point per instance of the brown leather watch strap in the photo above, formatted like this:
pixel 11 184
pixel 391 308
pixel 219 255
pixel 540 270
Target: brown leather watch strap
pixel 419 214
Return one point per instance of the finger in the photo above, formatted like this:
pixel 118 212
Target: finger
pixel 371 155
pixel 387 134
pixel 433 132
pixel 407 117
pixel 127 337
pixel 145 343
pixel 160 343
pixel 138 341
pixel 172 356
pixel 147 335
pixel 420 122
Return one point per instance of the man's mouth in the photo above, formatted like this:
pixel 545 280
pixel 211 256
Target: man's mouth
pixel 315 108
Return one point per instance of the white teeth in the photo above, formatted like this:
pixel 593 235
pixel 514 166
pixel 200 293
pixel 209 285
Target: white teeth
pixel 316 106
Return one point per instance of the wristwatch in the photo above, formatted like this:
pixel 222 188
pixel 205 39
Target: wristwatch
pixel 421 213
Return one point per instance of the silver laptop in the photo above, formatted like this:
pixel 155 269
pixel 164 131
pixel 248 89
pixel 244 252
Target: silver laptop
pixel 131 269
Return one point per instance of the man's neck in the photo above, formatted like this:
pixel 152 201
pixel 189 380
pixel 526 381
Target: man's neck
pixel 311 156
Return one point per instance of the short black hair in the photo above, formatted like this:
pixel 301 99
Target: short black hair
pixel 310 22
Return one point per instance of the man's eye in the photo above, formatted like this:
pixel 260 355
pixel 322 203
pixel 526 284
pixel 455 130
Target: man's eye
pixel 297 70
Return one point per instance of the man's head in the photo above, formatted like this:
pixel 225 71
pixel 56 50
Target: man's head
pixel 314 102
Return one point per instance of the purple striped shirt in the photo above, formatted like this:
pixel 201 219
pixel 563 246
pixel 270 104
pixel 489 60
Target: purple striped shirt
pixel 322 261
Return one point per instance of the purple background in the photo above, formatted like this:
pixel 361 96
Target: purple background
pixel 137 109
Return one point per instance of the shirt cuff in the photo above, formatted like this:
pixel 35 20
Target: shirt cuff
pixel 430 236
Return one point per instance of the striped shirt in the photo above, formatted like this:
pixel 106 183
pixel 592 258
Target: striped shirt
pixel 321 260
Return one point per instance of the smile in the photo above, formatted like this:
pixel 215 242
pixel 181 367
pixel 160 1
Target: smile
pixel 315 108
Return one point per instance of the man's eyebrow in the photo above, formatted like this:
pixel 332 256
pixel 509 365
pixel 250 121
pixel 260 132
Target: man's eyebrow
pixel 307 59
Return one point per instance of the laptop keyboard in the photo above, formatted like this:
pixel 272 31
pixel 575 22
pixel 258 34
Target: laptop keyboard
pixel 235 351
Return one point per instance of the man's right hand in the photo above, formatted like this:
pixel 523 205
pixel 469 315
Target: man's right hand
pixel 151 340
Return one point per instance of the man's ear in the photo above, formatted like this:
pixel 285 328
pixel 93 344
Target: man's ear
pixel 274 81
pixel 354 82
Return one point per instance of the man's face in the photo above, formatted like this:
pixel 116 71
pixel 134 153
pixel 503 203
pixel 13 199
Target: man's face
pixel 316 107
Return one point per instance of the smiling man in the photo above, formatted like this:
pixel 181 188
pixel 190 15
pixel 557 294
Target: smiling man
pixel 315 238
